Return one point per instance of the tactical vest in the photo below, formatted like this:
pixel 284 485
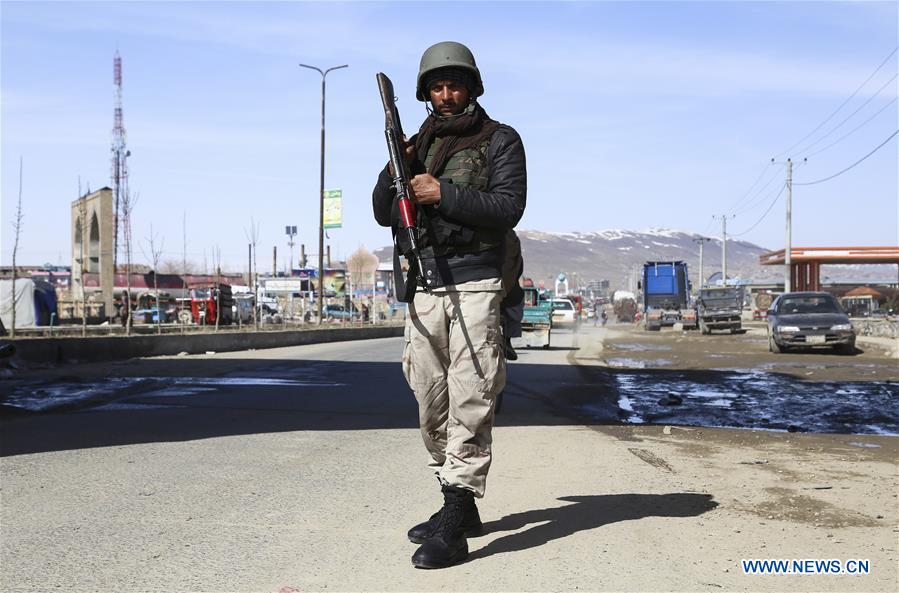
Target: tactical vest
pixel 466 168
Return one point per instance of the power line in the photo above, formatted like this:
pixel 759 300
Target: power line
pixel 881 145
pixel 839 125
pixel 770 206
pixel 843 104
pixel 754 201
pixel 855 129
pixel 765 169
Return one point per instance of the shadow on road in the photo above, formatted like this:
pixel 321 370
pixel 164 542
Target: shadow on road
pixel 182 400
pixel 587 512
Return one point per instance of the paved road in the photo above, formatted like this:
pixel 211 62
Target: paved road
pixel 299 469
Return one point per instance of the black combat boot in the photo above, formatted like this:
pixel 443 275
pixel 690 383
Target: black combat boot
pixel 447 545
pixel 471 522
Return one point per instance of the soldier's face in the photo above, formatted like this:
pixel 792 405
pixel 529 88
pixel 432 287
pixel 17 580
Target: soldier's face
pixel 448 97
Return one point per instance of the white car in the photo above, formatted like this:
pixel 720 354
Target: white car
pixel 564 312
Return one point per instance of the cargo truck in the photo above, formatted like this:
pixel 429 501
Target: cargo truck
pixel 624 304
pixel 719 308
pixel 666 295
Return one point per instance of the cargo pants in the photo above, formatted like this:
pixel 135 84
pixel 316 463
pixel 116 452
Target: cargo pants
pixel 453 361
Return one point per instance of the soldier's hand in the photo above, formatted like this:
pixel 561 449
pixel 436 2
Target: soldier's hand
pixel 408 156
pixel 426 189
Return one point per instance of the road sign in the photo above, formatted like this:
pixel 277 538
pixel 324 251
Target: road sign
pixel 333 208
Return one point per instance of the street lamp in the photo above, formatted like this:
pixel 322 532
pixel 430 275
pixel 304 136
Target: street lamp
pixel 321 195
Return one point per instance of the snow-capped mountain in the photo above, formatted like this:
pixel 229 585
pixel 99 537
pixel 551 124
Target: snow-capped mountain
pixel 615 254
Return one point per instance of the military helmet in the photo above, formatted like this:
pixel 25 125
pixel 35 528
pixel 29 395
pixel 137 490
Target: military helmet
pixel 447 54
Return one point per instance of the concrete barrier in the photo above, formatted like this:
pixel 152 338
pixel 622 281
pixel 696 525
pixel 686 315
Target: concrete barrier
pixel 96 349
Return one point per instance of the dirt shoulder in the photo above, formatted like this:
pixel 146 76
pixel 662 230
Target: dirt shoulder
pixel 629 346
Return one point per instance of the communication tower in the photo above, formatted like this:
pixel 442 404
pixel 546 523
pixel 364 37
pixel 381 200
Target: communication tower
pixel 119 155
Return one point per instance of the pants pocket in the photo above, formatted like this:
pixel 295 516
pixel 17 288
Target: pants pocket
pixel 492 360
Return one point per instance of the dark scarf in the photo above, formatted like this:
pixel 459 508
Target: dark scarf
pixel 459 132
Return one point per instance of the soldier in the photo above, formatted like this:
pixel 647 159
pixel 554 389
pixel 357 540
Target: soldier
pixel 470 184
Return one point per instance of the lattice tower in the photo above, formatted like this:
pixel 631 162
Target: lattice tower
pixel 119 154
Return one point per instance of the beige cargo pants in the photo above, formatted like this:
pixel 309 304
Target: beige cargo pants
pixel 454 363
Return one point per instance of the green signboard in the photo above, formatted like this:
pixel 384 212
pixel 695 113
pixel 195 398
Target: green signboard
pixel 333 209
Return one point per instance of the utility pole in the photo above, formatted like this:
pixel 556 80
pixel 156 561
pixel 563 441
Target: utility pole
pixel 788 249
pixel 321 195
pixel 702 241
pixel 724 247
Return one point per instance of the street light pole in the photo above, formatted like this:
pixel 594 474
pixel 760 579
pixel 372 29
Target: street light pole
pixel 321 195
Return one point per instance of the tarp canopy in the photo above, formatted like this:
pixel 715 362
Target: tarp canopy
pixel 35 302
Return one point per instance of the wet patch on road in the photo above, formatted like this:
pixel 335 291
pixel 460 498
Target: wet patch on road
pixel 754 399
pixel 31 397
pixel 67 395
pixel 635 363
pixel 638 347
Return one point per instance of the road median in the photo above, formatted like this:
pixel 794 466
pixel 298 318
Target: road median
pixel 59 350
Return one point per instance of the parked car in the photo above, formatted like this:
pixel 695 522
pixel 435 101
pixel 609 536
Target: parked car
pixel 809 320
pixel 564 312
pixel 339 312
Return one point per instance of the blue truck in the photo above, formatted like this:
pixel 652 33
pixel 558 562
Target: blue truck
pixel 666 295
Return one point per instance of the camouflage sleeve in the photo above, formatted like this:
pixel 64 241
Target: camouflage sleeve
pixel 503 203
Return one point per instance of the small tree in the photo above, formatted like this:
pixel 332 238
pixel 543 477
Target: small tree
pixel 83 231
pixel 17 225
pixel 253 236
pixel 128 203
pixel 217 262
pixel 360 264
pixel 155 246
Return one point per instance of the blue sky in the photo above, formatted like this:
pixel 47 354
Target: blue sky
pixel 633 115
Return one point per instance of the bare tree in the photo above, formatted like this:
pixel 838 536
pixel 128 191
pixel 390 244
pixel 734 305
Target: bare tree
pixel 184 272
pixel 128 203
pixel 360 264
pixel 155 246
pixel 17 225
pixel 253 236
pixel 177 266
pixel 83 232
pixel 217 262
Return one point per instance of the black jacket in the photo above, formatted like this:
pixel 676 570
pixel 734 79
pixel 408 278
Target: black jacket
pixel 500 207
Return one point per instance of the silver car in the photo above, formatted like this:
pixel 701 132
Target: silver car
pixel 809 320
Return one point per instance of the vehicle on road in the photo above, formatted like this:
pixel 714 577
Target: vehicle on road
pixel 242 309
pixel 339 312
pixel 809 320
pixel 762 304
pixel 624 304
pixel 666 295
pixel 207 299
pixel 536 324
pixel 564 312
pixel 719 308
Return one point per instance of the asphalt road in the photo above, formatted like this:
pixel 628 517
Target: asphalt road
pixel 300 469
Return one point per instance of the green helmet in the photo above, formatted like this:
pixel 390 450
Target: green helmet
pixel 447 54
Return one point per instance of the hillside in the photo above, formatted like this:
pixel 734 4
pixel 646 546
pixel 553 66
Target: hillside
pixel 614 255
pixel 617 255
